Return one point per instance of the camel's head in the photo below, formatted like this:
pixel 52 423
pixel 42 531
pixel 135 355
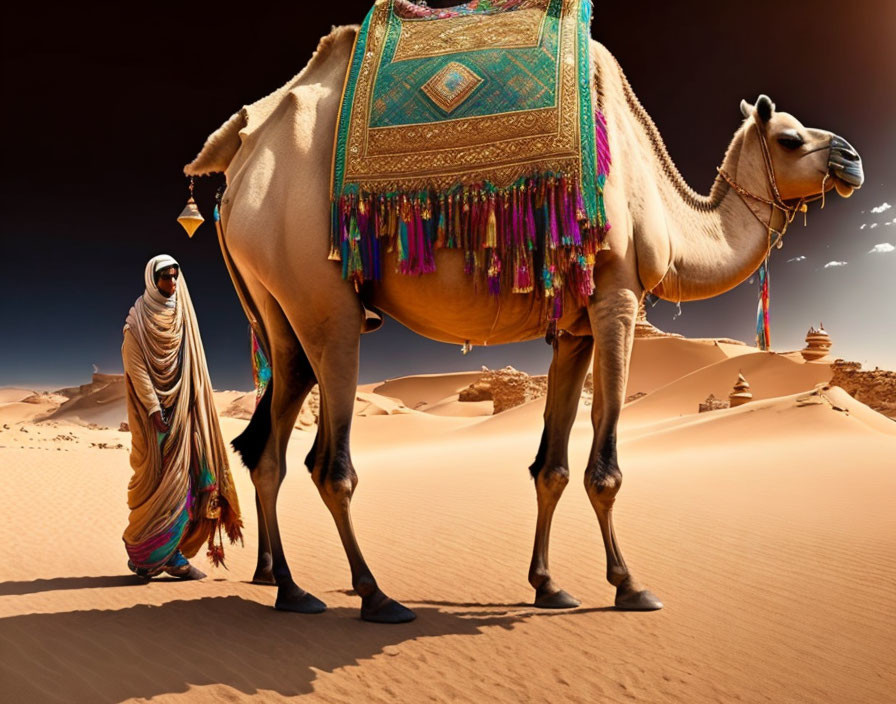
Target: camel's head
pixel 805 160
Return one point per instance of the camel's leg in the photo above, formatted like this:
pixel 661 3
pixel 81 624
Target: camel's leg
pixel 333 348
pixel 291 380
pixel 551 467
pixel 612 312
pixel 264 564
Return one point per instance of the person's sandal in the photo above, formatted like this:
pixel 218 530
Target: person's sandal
pixel 178 566
pixel 185 572
pixel 142 572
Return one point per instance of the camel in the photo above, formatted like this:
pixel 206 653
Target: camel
pixel 664 237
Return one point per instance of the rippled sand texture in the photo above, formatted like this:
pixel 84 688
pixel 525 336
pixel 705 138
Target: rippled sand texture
pixel 768 531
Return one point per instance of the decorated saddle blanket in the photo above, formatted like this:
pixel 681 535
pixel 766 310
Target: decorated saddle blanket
pixel 473 127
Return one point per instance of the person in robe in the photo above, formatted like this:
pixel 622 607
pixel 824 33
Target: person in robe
pixel 181 495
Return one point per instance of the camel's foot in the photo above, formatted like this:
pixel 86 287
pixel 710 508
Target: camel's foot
pixel 379 608
pixel 290 597
pixel 264 571
pixel 557 600
pixel 629 597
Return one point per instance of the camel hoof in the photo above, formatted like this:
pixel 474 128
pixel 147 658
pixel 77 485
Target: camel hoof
pixel 557 600
pixel 638 601
pixel 380 608
pixel 292 598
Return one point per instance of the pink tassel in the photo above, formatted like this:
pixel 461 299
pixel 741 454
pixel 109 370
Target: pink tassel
pixel 530 217
pixel 552 213
pixel 602 143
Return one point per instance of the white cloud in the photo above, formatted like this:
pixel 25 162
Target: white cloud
pixel 881 248
pixel 881 208
pixel 831 265
pixel 800 258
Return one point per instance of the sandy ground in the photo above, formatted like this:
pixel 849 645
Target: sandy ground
pixel 768 531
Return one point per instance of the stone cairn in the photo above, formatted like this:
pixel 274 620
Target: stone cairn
pixel 741 393
pixel 818 344
pixel 712 404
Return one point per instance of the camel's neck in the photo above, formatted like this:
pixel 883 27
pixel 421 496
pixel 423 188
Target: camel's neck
pixel 716 241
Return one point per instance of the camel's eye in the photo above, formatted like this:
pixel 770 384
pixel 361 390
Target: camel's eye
pixel 790 140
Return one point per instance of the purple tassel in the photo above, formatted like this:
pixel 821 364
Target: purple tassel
pixel 530 218
pixel 602 143
pixel 552 214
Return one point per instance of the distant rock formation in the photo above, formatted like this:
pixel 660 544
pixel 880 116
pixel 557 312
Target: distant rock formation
pixel 818 344
pixel 506 388
pixel 741 393
pixel 102 401
pixel 876 389
pixel 712 404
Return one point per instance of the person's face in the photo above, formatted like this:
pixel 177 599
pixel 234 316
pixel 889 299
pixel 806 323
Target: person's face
pixel 166 280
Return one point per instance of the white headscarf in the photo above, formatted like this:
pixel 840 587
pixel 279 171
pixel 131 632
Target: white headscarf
pixel 153 301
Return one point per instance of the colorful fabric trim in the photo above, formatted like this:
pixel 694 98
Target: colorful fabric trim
pixel 763 330
pixel 261 368
pixel 445 141
pixel 411 10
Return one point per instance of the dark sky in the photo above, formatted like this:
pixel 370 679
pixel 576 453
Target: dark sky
pixel 103 107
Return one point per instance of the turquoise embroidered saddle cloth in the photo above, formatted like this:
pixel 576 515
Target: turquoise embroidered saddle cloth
pixel 473 128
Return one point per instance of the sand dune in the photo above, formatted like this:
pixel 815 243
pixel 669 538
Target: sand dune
pixel 660 360
pixel 769 375
pixel 426 389
pixel 767 530
pixel 101 402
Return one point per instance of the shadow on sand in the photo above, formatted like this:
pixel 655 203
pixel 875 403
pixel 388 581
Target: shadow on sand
pixel 144 651
pixel 63 583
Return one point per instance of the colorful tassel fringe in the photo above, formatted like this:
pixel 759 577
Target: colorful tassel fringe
pixel 535 234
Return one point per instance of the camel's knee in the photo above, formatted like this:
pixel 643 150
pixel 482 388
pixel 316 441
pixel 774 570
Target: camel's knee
pixel 552 480
pixel 270 470
pixel 337 481
pixel 602 484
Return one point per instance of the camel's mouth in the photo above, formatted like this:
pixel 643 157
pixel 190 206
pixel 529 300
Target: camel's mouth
pixel 843 188
pixel 845 166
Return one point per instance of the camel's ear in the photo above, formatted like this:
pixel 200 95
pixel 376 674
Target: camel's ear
pixel 745 108
pixel 764 108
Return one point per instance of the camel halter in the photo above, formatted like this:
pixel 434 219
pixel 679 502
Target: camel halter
pixel 763 332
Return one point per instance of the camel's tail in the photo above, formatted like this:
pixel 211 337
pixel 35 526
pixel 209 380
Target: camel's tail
pixel 219 148
pixel 250 443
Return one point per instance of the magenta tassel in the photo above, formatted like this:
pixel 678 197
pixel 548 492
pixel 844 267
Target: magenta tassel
pixel 530 217
pixel 602 143
pixel 550 194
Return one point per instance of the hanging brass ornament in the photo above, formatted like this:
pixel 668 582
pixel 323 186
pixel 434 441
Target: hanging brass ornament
pixel 191 218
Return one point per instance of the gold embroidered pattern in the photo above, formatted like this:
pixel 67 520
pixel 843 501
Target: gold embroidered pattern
pixel 511 30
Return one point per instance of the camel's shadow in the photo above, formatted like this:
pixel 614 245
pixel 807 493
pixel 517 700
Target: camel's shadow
pixel 144 651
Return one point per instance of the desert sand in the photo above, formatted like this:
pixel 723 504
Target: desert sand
pixel 768 531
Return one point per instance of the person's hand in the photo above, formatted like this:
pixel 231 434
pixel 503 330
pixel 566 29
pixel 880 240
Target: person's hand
pixel 159 424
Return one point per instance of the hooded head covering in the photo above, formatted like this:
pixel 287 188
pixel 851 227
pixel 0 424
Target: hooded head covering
pixel 182 492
